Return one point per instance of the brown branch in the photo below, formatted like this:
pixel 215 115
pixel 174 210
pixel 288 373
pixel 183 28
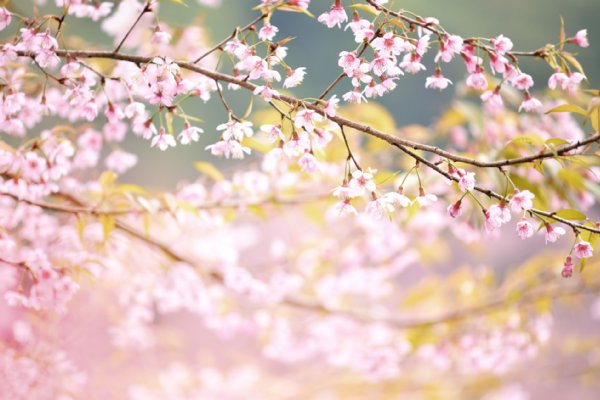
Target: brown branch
pixel 238 204
pixel 492 194
pixel 350 155
pixel 21 265
pixel 391 139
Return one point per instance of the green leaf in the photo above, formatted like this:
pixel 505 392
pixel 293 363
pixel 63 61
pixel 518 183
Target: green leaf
pixel 570 214
pixel 568 108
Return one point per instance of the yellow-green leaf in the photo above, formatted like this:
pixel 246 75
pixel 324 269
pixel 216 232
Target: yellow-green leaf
pixel 571 178
pixel 573 61
pixel 366 7
pixel 107 178
pixel 180 2
pixel 297 9
pixel 249 108
pixel 531 139
pixel 594 114
pixel 257 145
pixel 130 188
pixel 169 119
pixel 209 170
pixel 80 224
pixel 571 214
pixel 108 224
pixel 259 211
pixel 562 36
pixel 568 108
pixel 556 142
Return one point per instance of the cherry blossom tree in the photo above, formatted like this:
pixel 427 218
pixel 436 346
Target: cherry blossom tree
pixel 337 259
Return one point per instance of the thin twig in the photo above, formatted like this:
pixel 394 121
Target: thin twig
pixel 146 9
pixel 236 31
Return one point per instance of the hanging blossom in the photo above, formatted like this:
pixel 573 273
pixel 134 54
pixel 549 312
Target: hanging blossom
pixel 583 250
pixel 335 16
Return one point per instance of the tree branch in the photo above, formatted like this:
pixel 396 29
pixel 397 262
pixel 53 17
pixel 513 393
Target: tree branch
pixel 391 139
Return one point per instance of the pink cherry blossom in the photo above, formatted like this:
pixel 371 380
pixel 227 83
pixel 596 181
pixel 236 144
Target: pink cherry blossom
pixel 307 119
pixel 163 140
pixel 5 18
pixel 397 199
pixel 295 77
pixel 522 201
pixel 466 183
pixel 493 98
pixel 335 16
pixel 236 130
pixel 580 38
pixel 274 132
pixel 362 183
pixel 390 44
pixel 583 249
pixel 437 81
pixel 558 80
pixel 189 134
pixel 308 163
pixel 379 208
pixel 331 105
pixel 502 44
pixel 120 161
pixel 525 229
pixel 553 233
pixel 266 92
pixel 267 32
pixel 522 81
pixel 425 199
pixel 411 63
pixel 228 148
pixel 343 208
pixel 530 104
pixel 160 37
pixel 455 209
pixel 451 46
pixel 477 80
pixel 567 270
